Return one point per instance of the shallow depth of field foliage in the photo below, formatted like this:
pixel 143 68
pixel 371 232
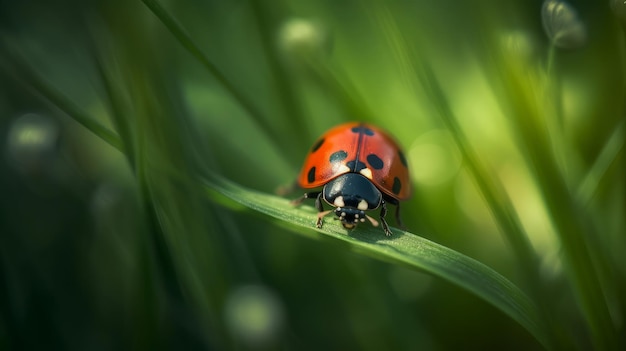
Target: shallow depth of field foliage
pixel 143 143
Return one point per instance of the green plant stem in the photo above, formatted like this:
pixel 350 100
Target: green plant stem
pixel 556 124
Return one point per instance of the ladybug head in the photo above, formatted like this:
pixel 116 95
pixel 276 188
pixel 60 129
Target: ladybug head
pixel 350 216
pixel 352 194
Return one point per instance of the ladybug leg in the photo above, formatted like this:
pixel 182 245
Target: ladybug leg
pixel 320 209
pixel 285 189
pixel 398 219
pixel 397 204
pixel 383 213
pixel 310 195
pixel 318 202
pixel 318 205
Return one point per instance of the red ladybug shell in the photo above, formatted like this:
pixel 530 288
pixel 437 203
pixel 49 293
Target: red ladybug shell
pixel 359 148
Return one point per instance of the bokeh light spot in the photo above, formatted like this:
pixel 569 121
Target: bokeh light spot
pixel 254 315
pixel 305 38
pixel 32 142
pixel 434 158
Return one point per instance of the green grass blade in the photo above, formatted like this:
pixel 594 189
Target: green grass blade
pixel 283 80
pixel 420 74
pixel 101 50
pixel 574 226
pixel 340 87
pixel 15 65
pixel 402 248
pixel 179 33
pixel 418 69
pixel 609 154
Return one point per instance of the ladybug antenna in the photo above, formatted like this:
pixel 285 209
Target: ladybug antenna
pixel 321 215
pixel 372 220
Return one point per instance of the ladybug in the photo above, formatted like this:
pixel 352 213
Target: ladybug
pixel 359 168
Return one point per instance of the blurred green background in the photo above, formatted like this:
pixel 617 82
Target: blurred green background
pixel 119 248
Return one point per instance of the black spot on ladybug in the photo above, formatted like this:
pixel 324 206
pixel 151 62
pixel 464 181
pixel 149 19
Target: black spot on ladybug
pixel 356 166
pixel 363 129
pixel 317 145
pixel 375 161
pixel 338 156
pixel 311 175
pixel 397 185
pixel 402 158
